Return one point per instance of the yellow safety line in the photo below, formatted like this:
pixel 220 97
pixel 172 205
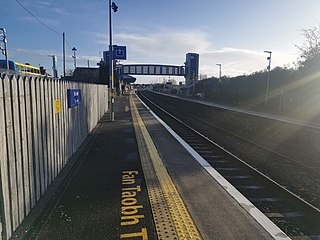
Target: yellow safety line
pixel 182 220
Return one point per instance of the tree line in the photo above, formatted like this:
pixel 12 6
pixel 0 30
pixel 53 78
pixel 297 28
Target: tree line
pixel 292 90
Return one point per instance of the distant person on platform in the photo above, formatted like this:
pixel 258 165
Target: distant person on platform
pixel 123 88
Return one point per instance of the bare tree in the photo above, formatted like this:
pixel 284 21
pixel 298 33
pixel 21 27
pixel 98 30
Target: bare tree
pixel 310 49
pixel 69 72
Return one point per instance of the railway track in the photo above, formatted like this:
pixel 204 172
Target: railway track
pixel 298 218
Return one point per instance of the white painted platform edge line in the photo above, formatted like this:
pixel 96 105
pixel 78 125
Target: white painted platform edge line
pixel 265 222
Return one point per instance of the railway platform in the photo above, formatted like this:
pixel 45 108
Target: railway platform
pixel 134 180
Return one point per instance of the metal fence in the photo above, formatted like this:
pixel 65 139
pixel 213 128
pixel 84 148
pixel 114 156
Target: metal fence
pixel 38 135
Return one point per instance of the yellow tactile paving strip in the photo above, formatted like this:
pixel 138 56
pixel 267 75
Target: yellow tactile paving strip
pixel 171 217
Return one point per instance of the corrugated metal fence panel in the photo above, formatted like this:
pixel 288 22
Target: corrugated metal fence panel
pixel 37 140
pixel 72 133
pixel 34 141
pixel 50 133
pixel 47 134
pixel 5 183
pixel 17 146
pixel 29 146
pixel 24 145
pixel 64 121
pixel 11 161
pixel 55 131
pixel 44 124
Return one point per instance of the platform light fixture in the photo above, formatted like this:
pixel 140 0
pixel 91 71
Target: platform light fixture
pixel 114 7
pixel 74 57
pixel 54 66
pixel 268 80
pixel 219 64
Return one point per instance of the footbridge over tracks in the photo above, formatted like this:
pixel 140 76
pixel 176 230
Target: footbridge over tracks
pixel 190 69
pixel 152 69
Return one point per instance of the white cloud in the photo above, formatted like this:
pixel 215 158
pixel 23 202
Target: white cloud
pixel 82 60
pixel 60 11
pixel 166 44
pixel 43 3
pixel 170 47
pixel 48 6
pixel 39 53
pixel 47 21
pixel 241 61
pixel 161 45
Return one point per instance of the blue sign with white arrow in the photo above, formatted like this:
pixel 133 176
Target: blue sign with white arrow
pixel 74 97
pixel 119 52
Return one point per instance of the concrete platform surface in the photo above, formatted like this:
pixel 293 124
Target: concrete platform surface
pixel 108 195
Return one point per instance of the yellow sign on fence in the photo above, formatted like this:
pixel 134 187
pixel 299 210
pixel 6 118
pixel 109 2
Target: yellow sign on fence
pixel 57 106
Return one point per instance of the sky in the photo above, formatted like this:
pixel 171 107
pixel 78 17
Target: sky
pixel 232 33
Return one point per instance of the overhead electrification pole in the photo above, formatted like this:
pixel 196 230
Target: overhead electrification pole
pixel 112 6
pixel 268 80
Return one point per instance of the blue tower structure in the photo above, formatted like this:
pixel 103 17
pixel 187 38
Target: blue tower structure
pixel 191 69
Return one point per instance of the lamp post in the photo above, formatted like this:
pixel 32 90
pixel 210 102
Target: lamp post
pixel 268 80
pixel 74 57
pixel 54 68
pixel 114 7
pixel 219 64
pixel 5 50
pixel 64 53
